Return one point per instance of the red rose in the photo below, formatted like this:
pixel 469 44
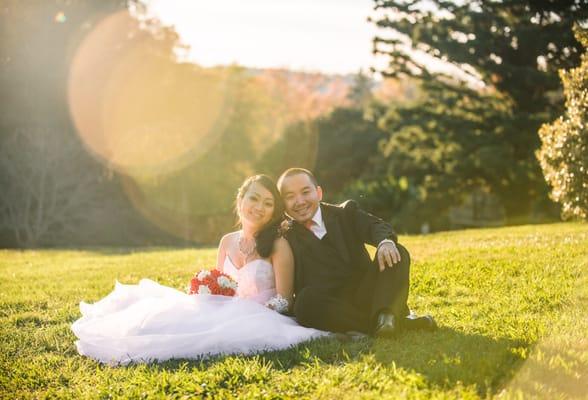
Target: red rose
pixel 210 279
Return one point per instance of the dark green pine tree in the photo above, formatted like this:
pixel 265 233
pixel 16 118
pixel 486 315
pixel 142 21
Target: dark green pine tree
pixel 461 136
pixel 346 140
pixel 360 93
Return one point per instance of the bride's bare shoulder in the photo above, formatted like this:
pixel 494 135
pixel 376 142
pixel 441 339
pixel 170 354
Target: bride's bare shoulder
pixel 229 238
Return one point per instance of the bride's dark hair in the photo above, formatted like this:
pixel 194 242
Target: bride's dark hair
pixel 264 239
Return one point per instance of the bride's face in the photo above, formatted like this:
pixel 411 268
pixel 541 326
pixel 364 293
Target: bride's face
pixel 256 207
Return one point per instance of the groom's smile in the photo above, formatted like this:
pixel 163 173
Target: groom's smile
pixel 301 197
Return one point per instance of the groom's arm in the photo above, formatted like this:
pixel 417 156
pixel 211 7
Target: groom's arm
pixel 378 233
pixel 370 229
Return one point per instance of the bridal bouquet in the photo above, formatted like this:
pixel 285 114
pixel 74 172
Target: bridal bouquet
pixel 212 282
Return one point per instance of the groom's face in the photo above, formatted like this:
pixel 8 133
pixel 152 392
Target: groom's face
pixel 301 197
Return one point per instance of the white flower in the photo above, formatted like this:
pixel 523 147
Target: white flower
pixel 225 283
pixel 203 289
pixel 202 275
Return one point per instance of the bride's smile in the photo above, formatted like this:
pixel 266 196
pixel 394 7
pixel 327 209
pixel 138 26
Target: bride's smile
pixel 256 207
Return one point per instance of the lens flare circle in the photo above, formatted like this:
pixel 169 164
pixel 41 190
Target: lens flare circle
pixel 135 107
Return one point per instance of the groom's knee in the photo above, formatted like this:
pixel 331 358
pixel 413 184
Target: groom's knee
pixel 403 265
pixel 404 255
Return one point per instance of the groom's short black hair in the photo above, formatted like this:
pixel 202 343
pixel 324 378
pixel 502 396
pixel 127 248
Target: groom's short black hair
pixel 296 171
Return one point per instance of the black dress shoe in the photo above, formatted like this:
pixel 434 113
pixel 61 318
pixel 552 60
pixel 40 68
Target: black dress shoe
pixel 423 323
pixel 386 326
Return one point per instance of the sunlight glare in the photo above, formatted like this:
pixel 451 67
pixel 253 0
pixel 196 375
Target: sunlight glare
pixel 137 109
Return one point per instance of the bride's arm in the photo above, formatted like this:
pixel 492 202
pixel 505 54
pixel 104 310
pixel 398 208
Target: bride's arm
pixel 222 252
pixel 283 263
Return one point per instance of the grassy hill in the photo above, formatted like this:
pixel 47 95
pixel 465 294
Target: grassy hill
pixel 511 304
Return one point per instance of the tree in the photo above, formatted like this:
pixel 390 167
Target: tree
pixel 488 135
pixel 53 190
pixel 564 151
pixel 37 43
pixel 335 145
pixel 346 141
pixel 257 134
pixel 297 146
pixel 515 46
pixel 388 198
pixel 49 188
pixel 361 92
pixel 49 183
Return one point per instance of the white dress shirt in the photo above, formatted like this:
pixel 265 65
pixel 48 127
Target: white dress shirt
pixel 318 225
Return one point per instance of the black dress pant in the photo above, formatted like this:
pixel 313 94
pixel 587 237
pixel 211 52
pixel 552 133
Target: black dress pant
pixel 356 305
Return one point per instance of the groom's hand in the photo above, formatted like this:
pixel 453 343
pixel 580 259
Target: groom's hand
pixel 388 255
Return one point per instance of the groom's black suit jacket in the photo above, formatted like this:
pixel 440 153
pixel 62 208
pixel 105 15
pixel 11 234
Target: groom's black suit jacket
pixel 340 258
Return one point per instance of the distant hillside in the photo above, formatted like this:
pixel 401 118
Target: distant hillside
pixel 310 94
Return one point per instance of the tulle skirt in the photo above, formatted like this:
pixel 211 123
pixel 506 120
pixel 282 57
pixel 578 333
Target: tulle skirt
pixel 151 322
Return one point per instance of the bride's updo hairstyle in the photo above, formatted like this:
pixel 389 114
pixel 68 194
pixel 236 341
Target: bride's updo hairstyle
pixel 264 239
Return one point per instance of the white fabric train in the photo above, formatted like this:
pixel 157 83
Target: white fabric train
pixel 151 322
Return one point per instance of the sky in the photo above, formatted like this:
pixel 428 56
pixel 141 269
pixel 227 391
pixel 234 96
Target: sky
pixel 330 36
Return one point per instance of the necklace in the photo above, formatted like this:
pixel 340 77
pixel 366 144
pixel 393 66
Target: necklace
pixel 247 247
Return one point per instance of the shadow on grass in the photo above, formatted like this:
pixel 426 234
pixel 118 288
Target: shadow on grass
pixel 446 358
pixel 449 357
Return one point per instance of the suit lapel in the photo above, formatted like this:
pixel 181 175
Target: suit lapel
pixel 335 232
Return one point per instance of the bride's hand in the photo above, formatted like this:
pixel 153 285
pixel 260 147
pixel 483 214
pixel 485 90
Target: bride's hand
pixel 278 303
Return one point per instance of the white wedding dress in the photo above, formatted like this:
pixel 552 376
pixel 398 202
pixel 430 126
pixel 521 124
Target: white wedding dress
pixel 151 322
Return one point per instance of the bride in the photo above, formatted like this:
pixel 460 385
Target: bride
pixel 151 322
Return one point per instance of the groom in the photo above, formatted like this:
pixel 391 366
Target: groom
pixel 337 286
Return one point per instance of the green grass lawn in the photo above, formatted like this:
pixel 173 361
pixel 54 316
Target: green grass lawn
pixel 511 304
